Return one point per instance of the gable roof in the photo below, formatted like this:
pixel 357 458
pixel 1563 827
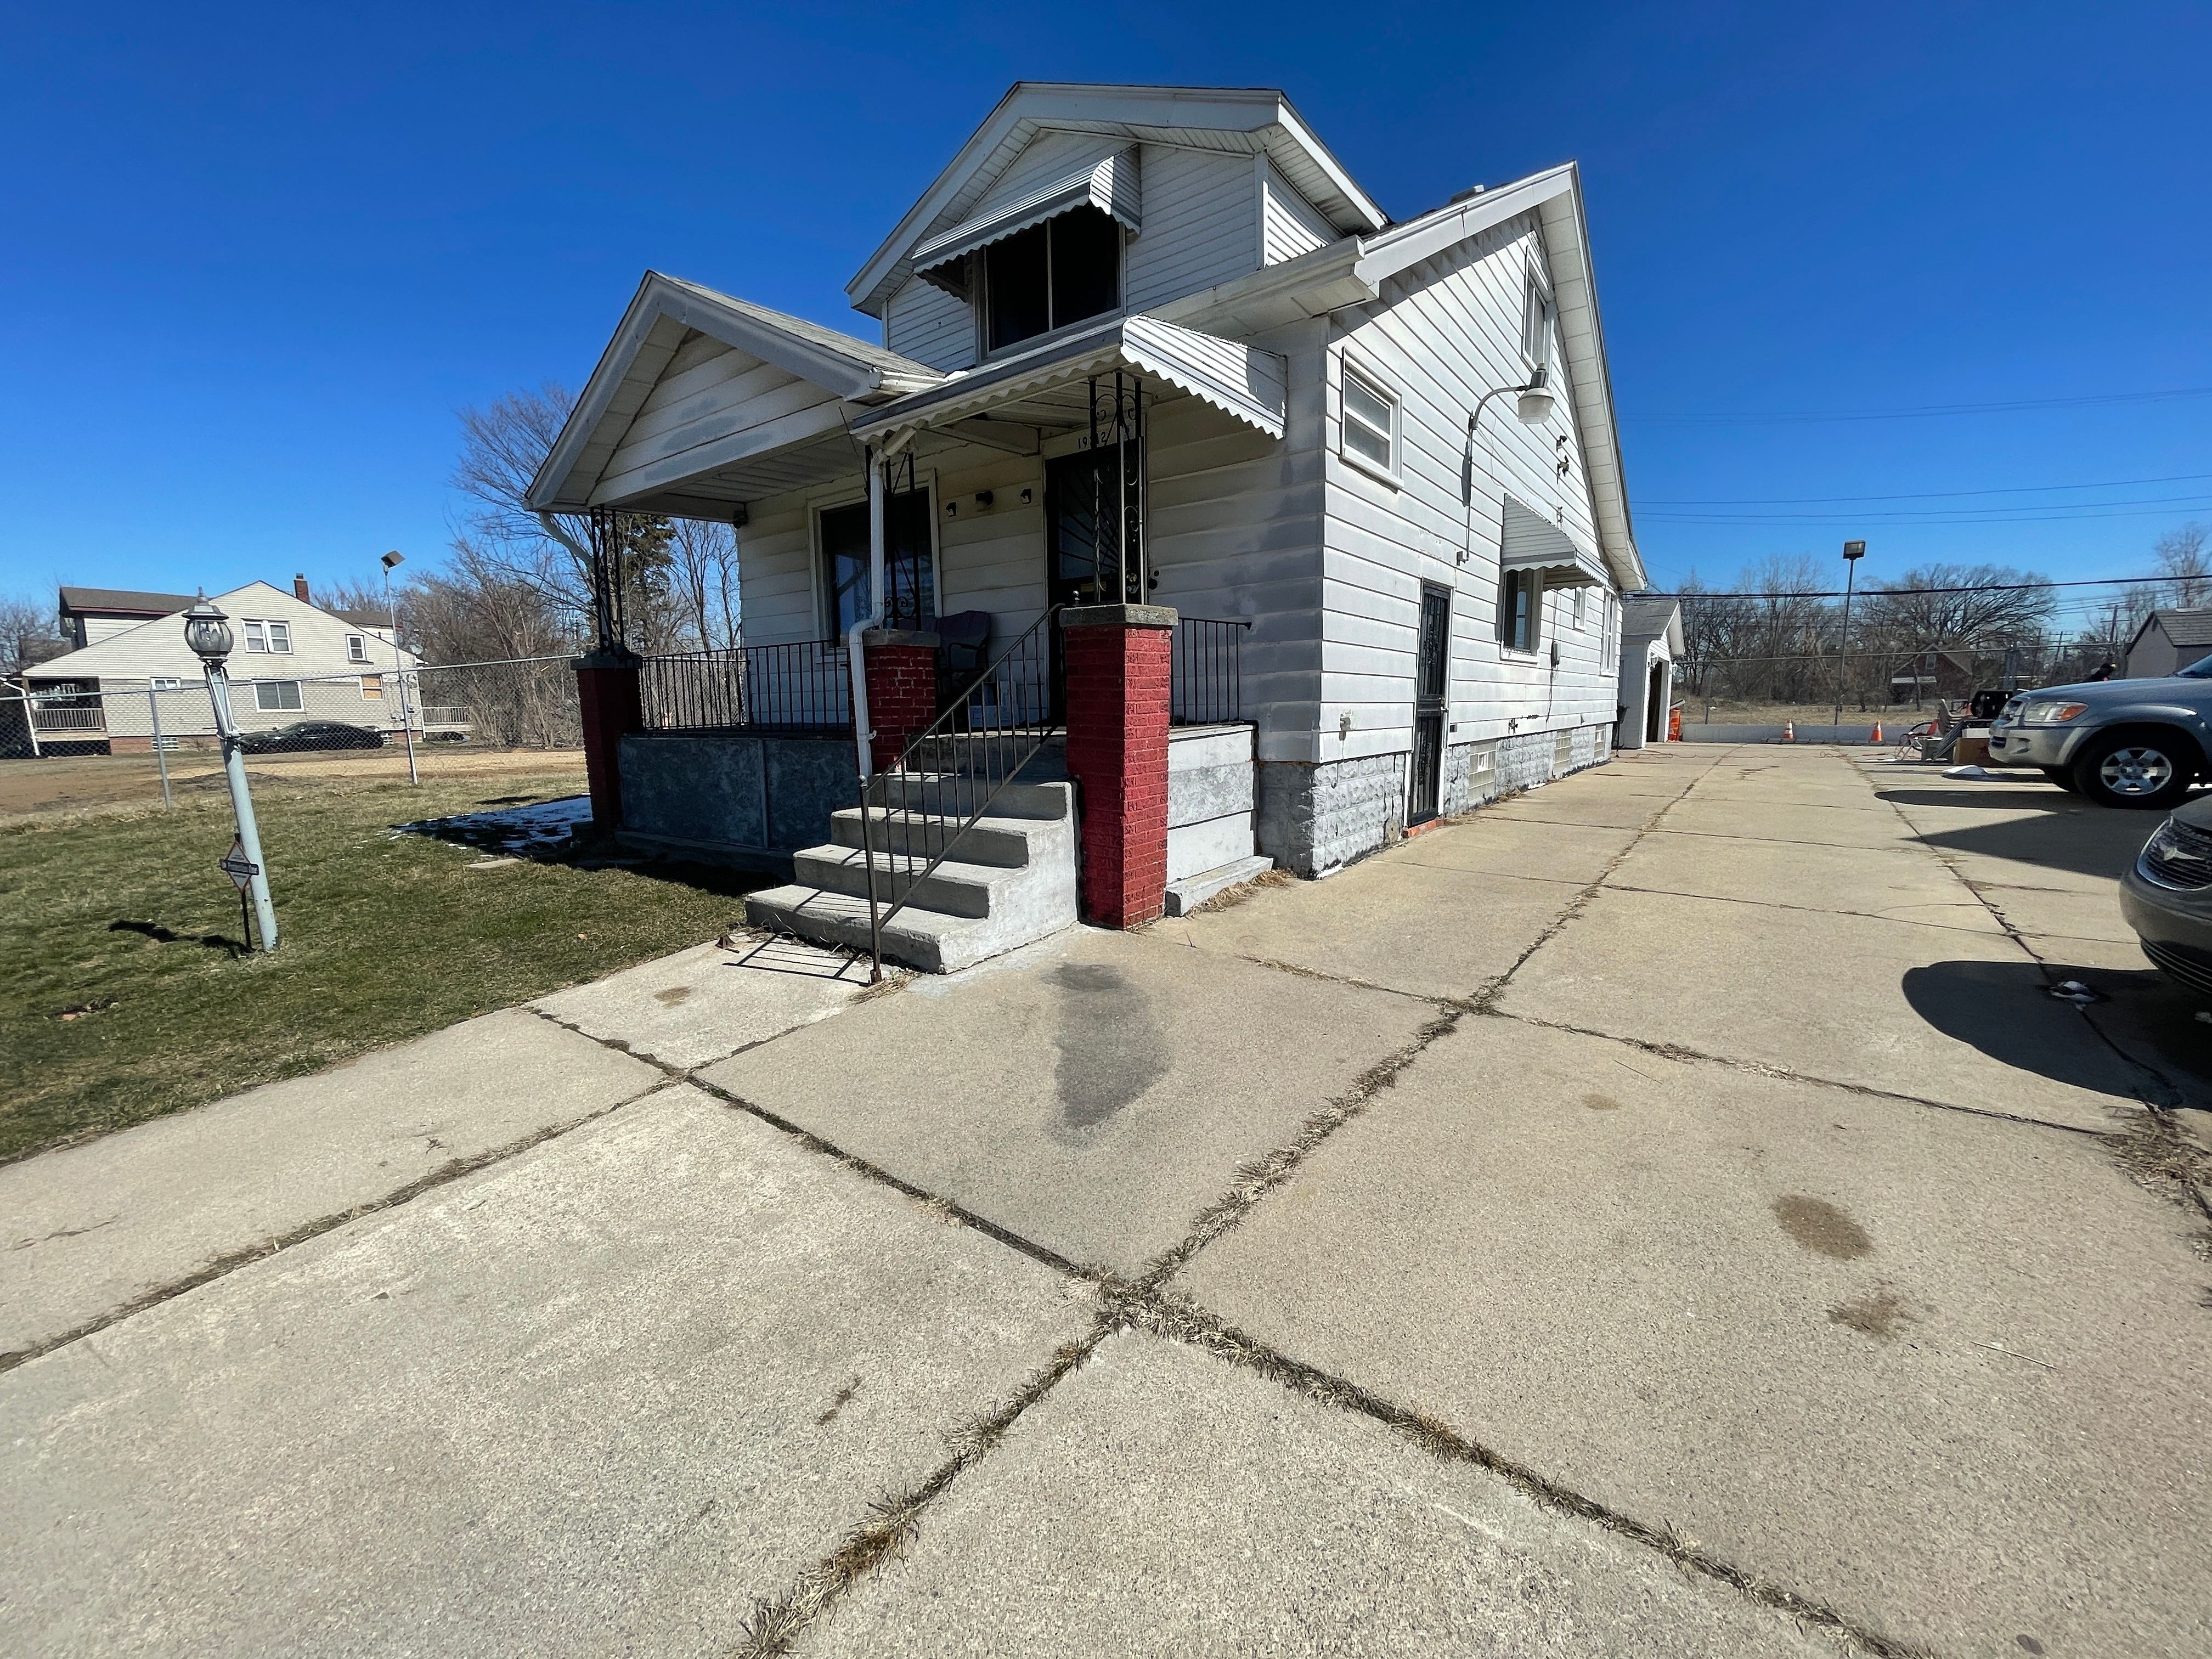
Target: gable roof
pixel 1555 196
pixel 122 602
pixel 1651 617
pixel 1233 120
pixel 2182 627
pixel 665 312
pixel 126 654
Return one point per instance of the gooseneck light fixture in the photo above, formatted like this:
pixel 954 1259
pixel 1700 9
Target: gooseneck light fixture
pixel 1534 404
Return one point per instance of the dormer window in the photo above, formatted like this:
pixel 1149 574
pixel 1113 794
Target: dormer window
pixel 1050 276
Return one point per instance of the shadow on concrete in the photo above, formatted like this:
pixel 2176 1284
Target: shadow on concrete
pixel 2141 1043
pixel 2087 843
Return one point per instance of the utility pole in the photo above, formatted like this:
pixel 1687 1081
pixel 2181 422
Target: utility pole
pixel 1853 552
pixel 391 614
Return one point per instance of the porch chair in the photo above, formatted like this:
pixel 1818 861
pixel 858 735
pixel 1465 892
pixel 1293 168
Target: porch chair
pixel 963 641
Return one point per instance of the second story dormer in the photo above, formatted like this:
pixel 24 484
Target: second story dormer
pixel 1072 203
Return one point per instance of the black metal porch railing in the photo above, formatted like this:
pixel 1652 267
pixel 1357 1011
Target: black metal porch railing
pixel 802 687
pixel 913 811
pixel 1206 684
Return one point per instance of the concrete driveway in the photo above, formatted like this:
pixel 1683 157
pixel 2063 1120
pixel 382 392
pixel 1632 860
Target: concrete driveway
pixel 1665 1213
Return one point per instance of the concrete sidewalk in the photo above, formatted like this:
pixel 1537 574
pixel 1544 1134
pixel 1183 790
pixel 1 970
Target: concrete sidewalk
pixel 1663 1213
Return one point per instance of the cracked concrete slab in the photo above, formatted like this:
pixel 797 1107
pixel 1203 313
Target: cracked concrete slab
pixel 1091 1093
pixel 1902 884
pixel 1945 1374
pixel 91 1229
pixel 1377 922
pixel 1159 1501
pixel 708 1002
pixel 591 1401
pixel 1937 1013
pixel 1492 845
pixel 1716 812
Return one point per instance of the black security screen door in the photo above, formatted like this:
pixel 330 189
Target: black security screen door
pixel 909 572
pixel 1431 676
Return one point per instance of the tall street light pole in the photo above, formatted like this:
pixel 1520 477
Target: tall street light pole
pixel 391 615
pixel 1853 552
pixel 207 630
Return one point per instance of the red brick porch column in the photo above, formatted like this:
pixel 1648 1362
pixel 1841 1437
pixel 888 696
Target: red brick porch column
pixel 607 696
pixel 1117 658
pixel 902 689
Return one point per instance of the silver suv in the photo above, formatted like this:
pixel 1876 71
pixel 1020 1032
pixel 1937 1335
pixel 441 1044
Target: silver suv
pixel 2122 743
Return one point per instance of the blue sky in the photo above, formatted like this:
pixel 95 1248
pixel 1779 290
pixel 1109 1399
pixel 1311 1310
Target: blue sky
pixel 256 258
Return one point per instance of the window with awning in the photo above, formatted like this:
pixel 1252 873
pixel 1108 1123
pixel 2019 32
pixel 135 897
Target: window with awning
pixel 1051 276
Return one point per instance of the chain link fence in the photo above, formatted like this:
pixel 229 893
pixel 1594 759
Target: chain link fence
pixel 72 745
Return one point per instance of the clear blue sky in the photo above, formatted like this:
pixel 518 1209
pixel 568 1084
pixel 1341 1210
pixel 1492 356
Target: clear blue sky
pixel 255 258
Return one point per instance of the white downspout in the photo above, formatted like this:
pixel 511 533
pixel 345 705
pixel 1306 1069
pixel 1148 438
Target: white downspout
pixel 855 657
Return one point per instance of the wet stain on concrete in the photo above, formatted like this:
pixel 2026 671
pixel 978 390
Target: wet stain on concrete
pixel 1877 1315
pixel 2027 1644
pixel 1110 1047
pixel 673 995
pixel 1601 1102
pixel 844 1398
pixel 1819 1226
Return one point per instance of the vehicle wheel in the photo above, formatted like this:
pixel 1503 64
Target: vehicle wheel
pixel 2144 769
pixel 2059 776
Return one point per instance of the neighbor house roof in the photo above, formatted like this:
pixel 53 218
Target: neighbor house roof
pixel 1651 616
pixel 363 618
pixel 2182 627
pixel 1247 121
pixel 122 602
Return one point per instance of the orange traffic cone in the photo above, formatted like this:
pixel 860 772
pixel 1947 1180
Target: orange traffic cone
pixel 1877 731
pixel 1789 731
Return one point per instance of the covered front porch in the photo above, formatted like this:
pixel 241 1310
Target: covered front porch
pixel 912 547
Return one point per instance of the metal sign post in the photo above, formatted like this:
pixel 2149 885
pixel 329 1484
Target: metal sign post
pixel 399 662
pixel 160 759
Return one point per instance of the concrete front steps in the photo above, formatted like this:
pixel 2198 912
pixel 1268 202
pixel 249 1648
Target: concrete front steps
pixel 1010 879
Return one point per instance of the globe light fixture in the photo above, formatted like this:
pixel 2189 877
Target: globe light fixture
pixel 207 630
pixel 1535 403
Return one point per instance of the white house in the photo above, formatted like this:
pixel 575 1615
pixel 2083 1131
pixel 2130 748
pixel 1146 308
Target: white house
pixel 290 660
pixel 1378 459
pixel 1650 646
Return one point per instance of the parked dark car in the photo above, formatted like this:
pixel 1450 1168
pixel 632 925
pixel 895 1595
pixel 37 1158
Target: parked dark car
pixel 2166 896
pixel 2120 742
pixel 307 735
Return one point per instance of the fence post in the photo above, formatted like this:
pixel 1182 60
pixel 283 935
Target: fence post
pixel 608 699
pixel 1118 660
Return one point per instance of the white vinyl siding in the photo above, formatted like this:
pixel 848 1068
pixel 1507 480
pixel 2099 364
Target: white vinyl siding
pixel 1289 224
pixel 1200 225
pixel 926 324
pixel 1441 335
pixel 691 403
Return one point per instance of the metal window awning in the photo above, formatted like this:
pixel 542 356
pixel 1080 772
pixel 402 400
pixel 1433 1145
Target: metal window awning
pixel 1047 388
pixel 1108 184
pixel 1529 541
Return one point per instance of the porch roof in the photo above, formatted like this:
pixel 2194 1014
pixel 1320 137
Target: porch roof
pixel 1045 388
pixel 702 401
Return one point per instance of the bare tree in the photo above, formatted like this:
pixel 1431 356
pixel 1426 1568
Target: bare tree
pixel 702 560
pixel 28 632
pixel 2181 561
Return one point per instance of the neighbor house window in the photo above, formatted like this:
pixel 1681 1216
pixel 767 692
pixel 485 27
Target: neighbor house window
pixel 356 648
pixel 1051 276
pixel 167 683
pixel 275 696
pixel 372 686
pixel 268 636
pixel 1520 609
pixel 1536 322
pixel 1370 424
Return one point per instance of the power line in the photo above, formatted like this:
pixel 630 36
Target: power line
pixel 1923 494
pixel 2160 509
pixel 1900 592
pixel 1924 411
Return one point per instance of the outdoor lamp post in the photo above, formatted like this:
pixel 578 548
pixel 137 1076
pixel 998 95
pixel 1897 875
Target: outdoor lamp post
pixel 207 630
pixel 391 614
pixel 1853 552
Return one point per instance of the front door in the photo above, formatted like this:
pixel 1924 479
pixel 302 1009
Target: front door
pixel 1655 705
pixel 1081 564
pixel 1432 675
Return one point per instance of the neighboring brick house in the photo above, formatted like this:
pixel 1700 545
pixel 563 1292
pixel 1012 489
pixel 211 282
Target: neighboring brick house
pixel 1151 348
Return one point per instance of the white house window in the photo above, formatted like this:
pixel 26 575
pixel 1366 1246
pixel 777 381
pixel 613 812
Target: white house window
pixel 1578 610
pixel 356 648
pixel 1370 424
pixel 1050 276
pixel 274 696
pixel 1536 322
pixel 167 683
pixel 1520 609
pixel 268 637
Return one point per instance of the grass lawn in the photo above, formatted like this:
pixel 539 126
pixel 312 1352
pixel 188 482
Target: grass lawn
pixel 124 923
